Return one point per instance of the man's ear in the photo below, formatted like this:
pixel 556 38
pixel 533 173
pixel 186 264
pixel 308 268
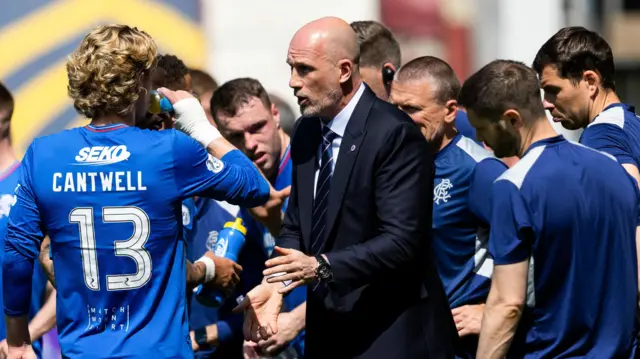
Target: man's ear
pixel 593 81
pixel 346 70
pixel 451 108
pixel 511 118
pixel 276 114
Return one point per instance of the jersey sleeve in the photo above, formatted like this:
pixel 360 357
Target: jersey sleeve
pixel 610 139
pixel 486 172
pixel 510 225
pixel 234 178
pixel 22 243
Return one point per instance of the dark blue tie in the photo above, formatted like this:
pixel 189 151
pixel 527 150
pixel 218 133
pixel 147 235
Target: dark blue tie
pixel 322 191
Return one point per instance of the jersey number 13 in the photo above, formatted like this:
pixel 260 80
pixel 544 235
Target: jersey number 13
pixel 132 247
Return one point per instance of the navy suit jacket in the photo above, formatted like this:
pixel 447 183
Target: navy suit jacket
pixel 386 299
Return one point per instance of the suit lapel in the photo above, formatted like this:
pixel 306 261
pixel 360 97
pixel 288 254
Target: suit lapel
pixel 349 149
pixel 306 176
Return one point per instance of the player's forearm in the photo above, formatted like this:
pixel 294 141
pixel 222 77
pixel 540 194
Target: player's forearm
pixel 633 172
pixel 210 335
pixel 17 275
pixel 196 274
pixel 46 262
pixel 17 331
pixel 299 317
pixel 45 319
pixel 499 324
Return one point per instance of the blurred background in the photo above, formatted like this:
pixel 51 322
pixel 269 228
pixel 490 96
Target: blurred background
pixel 232 38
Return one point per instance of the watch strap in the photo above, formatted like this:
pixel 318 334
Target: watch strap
pixel 201 336
pixel 323 272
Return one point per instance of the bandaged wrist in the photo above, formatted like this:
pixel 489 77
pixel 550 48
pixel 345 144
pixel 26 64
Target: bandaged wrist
pixel 191 119
pixel 286 282
pixel 210 268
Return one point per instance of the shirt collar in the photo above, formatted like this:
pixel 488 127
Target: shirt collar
pixel 619 104
pixel 449 145
pixel 339 123
pixel 544 142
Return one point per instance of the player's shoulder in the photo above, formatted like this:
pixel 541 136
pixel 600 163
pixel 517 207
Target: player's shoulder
pixel 472 151
pixel 615 119
pixel 61 138
pixel 522 169
pixel 612 116
pixel 591 153
pixel 469 156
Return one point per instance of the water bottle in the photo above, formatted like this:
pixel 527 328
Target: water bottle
pixel 159 103
pixel 229 244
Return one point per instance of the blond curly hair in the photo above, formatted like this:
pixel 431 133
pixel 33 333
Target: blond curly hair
pixel 106 71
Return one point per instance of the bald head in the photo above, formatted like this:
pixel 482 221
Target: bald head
pixel 330 36
pixel 433 70
pixel 323 56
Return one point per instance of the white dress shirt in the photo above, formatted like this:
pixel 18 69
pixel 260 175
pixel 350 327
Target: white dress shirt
pixel 338 125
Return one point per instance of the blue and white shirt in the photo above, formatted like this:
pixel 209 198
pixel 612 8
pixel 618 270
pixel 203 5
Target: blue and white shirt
pixel 465 172
pixel 572 212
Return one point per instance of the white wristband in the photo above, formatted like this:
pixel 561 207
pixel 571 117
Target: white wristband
pixel 286 282
pixel 191 119
pixel 210 268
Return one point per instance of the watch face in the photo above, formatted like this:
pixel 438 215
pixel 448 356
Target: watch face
pixel 324 272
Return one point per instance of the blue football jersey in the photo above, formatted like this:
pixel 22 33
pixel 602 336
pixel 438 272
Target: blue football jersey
pixel 572 211
pixel 110 200
pixel 465 172
pixel 616 131
pixel 8 182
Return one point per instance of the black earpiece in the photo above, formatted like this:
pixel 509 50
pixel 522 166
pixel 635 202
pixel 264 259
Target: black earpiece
pixel 387 74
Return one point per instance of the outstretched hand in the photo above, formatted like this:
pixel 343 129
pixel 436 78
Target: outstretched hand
pixel 261 307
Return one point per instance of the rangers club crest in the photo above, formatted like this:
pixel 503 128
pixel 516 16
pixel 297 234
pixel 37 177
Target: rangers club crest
pixel 214 165
pixel 441 191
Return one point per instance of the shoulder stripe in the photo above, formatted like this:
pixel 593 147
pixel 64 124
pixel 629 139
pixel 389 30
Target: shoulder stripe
pixel 474 150
pixel 612 116
pixel 519 171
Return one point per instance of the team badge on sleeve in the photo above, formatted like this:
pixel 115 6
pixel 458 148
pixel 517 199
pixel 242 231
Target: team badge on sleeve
pixel 186 215
pixel 214 165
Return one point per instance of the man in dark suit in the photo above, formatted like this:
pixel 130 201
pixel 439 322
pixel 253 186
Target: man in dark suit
pixel 357 228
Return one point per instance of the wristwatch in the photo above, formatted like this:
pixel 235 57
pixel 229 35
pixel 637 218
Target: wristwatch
pixel 323 271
